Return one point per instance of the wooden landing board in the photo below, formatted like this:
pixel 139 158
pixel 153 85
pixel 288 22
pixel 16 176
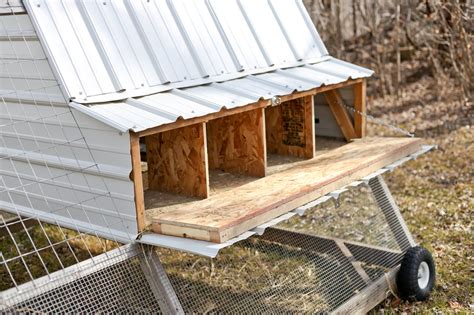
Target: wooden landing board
pixel 290 128
pixel 177 161
pixel 236 143
pixel 231 213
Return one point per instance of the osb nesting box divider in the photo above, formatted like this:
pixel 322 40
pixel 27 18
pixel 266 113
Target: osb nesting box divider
pixel 177 161
pixel 236 143
pixel 290 128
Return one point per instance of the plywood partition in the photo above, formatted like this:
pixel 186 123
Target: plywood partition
pixel 236 143
pixel 290 128
pixel 360 122
pixel 177 161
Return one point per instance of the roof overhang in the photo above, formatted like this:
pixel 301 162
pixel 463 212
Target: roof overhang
pixel 200 103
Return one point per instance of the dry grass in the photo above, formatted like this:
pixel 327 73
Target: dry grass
pixel 436 192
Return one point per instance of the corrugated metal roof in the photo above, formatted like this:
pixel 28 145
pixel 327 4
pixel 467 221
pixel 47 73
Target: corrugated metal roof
pixel 110 50
pixel 146 112
pixel 138 64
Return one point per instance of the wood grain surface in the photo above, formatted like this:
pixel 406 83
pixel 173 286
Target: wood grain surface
pixel 233 212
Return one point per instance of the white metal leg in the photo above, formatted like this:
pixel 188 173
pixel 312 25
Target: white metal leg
pixel 159 282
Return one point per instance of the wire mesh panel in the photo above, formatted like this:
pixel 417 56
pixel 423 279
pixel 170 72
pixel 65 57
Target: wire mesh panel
pixel 308 264
pixel 48 269
pixel 111 283
pixel 56 164
pixel 64 185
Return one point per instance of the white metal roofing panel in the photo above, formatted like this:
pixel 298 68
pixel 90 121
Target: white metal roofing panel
pixel 112 50
pixel 164 42
pixel 268 32
pixel 146 112
pixel 238 34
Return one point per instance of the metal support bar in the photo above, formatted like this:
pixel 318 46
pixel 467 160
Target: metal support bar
pixel 392 214
pixel 158 281
pixel 373 255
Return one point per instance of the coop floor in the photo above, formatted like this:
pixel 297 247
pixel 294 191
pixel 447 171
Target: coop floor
pixel 238 203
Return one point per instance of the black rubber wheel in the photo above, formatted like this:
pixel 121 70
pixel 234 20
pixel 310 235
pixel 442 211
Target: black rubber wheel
pixel 417 275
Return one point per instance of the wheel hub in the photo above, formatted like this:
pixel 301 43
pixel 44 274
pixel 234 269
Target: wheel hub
pixel 423 275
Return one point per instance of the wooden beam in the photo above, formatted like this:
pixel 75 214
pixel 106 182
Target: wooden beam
pixel 236 144
pixel 177 161
pixel 203 119
pixel 360 105
pixel 356 264
pixel 136 177
pixel 370 296
pixel 336 104
pixel 259 104
pixel 290 128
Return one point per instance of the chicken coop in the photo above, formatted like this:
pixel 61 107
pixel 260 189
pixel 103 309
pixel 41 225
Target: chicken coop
pixel 215 144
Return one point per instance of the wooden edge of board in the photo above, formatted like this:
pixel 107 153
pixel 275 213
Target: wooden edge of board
pixel 371 296
pixel 186 232
pixel 259 104
pixel 136 177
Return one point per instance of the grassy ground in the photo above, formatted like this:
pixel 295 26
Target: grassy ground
pixel 436 192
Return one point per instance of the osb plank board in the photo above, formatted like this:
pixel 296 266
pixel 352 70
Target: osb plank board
pixel 236 143
pixel 177 161
pixel 231 213
pixel 290 128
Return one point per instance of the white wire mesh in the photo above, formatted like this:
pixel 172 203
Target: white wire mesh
pixel 45 166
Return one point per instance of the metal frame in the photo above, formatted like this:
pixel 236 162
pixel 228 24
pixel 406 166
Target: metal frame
pixel 159 282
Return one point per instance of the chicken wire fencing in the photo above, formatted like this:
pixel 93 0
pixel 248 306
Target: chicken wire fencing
pixel 49 177
pixel 312 263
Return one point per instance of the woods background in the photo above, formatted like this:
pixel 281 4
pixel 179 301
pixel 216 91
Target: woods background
pixel 383 34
